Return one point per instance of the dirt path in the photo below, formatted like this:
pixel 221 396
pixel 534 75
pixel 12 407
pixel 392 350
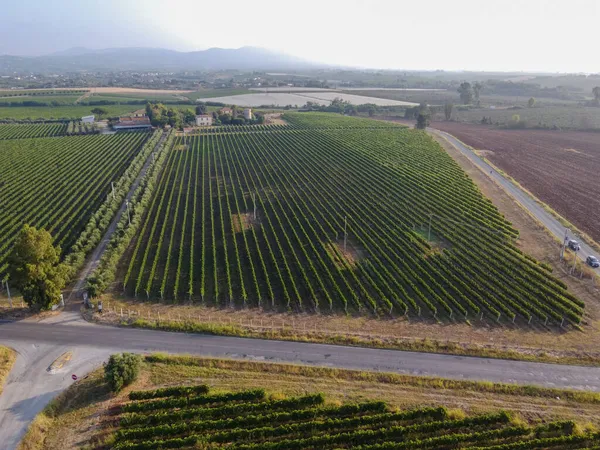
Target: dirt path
pixel 94 258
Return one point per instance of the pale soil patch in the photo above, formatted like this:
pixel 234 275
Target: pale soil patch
pixel 242 222
pixel 484 153
pixel 274 119
pixel 351 255
pixel 572 150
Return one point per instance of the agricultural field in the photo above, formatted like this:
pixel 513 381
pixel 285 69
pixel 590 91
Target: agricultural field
pixel 325 216
pixel 194 417
pixel 180 399
pixel 300 99
pixel 22 131
pixel 74 112
pixel 209 94
pixel 560 168
pixel 570 117
pixel 54 99
pixel 41 92
pixel 58 183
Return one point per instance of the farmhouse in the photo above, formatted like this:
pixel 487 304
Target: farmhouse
pixel 87 119
pixel 224 111
pixel 132 123
pixel 248 114
pixel 204 120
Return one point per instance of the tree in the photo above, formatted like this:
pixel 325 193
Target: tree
pixel 189 116
pixel 531 102
pixel 100 111
pixel 35 270
pixel 422 120
pixel 596 93
pixel 201 108
pixel 448 107
pixel 477 86
pixel 122 370
pixel 466 93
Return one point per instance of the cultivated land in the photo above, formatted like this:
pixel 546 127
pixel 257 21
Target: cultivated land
pixel 201 241
pixel 560 168
pixel 320 97
pixel 58 183
pixel 21 131
pixel 186 402
pixel 60 112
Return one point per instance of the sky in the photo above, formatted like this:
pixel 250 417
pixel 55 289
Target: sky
pixel 509 35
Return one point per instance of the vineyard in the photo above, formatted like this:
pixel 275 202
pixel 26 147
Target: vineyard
pixel 58 183
pixel 194 417
pixel 321 216
pixel 22 131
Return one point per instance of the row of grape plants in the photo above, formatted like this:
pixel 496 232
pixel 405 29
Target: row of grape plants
pixel 249 420
pixel 353 219
pixel 58 183
pixel 38 130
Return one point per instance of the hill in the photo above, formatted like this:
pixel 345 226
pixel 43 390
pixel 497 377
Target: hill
pixel 156 59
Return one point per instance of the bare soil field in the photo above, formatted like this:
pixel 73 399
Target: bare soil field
pixel 559 167
pixel 124 90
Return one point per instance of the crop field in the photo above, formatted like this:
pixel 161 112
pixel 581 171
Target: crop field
pixel 300 99
pixel 257 218
pixel 57 183
pixel 41 92
pixel 560 168
pixel 60 112
pixel 21 131
pixel 571 117
pixel 194 417
pixel 55 99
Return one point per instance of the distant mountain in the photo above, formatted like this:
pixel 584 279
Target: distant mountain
pixel 137 58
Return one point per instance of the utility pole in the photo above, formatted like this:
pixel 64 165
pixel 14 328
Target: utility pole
pixel 128 215
pixel 564 244
pixel 345 231
pixel 429 231
pixel 9 297
pixel 574 262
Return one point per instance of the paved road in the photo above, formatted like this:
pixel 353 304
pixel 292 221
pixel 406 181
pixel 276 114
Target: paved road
pixel 543 216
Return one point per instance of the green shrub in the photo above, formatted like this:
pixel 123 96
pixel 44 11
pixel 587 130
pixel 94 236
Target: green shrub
pixel 121 370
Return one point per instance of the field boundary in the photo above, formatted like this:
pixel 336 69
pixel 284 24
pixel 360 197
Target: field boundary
pixel 290 330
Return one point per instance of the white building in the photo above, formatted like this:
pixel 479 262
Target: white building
pixel 248 114
pixel 204 120
pixel 87 119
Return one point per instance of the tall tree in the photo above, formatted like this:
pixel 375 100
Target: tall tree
pixel 531 102
pixel 35 270
pixel 466 92
pixel 596 93
pixel 100 112
pixel 422 120
pixel 448 107
pixel 201 108
pixel 477 86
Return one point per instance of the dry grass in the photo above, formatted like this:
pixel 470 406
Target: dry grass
pixel 82 416
pixel 7 359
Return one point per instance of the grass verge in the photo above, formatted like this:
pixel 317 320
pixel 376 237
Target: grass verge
pixel 7 359
pixel 426 345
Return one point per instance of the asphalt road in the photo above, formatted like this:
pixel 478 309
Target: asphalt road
pixel 522 197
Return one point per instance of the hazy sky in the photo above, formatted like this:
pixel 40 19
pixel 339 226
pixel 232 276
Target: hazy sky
pixel 534 35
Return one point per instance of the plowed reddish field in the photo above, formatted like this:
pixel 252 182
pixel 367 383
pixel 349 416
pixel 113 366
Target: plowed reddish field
pixel 561 168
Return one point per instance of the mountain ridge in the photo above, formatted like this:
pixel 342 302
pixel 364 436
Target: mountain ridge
pixel 151 58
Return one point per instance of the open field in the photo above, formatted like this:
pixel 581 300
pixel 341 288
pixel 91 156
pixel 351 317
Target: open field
pixel 210 94
pixel 42 92
pixel 238 404
pixel 18 131
pixel 57 183
pixel 554 116
pixel 321 97
pixel 135 92
pixel 205 244
pixel 560 168
pixel 60 112
pixel 23 99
